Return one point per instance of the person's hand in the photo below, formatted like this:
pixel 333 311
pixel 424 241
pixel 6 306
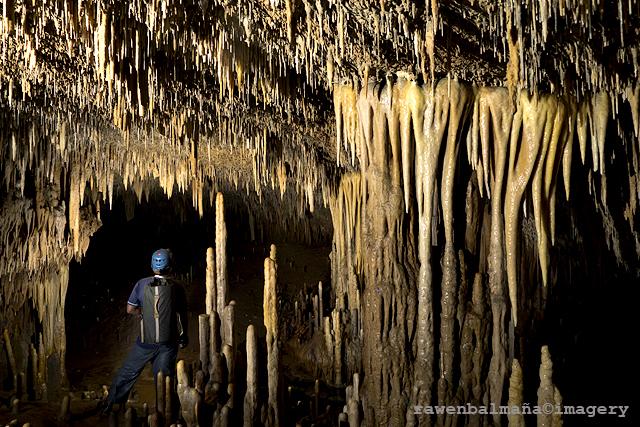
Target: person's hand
pixel 183 341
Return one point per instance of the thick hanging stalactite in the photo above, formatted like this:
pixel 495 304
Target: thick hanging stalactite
pixel 388 311
pixel 515 150
pixel 458 105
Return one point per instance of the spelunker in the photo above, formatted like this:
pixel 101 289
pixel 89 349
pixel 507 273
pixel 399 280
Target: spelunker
pixel 160 302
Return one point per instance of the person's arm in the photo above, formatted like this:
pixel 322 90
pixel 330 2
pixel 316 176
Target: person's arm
pixel 134 303
pixel 133 310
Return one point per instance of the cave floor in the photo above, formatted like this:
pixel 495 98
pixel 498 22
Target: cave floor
pixel 95 358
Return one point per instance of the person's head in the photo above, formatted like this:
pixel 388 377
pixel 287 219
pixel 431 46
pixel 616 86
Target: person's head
pixel 161 261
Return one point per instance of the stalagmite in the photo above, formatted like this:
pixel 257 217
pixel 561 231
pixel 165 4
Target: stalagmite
pixel 272 253
pixel 556 417
pixel 270 310
pixel 189 397
pixel 22 382
pixel 337 356
pixel 231 392
pixel 168 399
pixel 65 409
pixel 474 344
pixel 224 416
pixel 516 419
pixel 353 402
pixel 130 417
pixel 211 301
pixel 35 381
pixel 217 370
pixel 227 352
pixel 12 359
pixel 328 336
pixel 317 318
pixel 320 308
pixel 221 256
pixel 160 393
pixel 204 334
pixel 316 398
pixel 251 403
pixel 153 420
pixel 215 340
pixel 546 391
pixel 229 325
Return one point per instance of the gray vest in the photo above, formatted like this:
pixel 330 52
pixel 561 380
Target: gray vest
pixel 159 320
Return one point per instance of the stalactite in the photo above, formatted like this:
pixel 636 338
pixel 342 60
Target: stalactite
pixel 379 158
pixel 531 116
pixel 74 208
pixel 511 146
pixel 567 154
pixel 599 116
pixel 496 113
pixel 346 213
pixel 543 176
pixel 459 99
pixel 436 115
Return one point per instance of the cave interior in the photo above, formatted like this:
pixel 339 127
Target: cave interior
pixel 376 208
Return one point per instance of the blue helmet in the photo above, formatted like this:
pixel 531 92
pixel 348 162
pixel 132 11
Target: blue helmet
pixel 161 260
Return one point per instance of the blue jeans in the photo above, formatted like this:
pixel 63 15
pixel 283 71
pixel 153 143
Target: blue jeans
pixel 163 357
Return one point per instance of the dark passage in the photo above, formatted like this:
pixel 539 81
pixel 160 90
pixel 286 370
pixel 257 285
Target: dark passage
pixel 100 333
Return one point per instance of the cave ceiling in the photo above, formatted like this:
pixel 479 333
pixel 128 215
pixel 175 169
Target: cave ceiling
pixel 240 72
pixel 201 96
